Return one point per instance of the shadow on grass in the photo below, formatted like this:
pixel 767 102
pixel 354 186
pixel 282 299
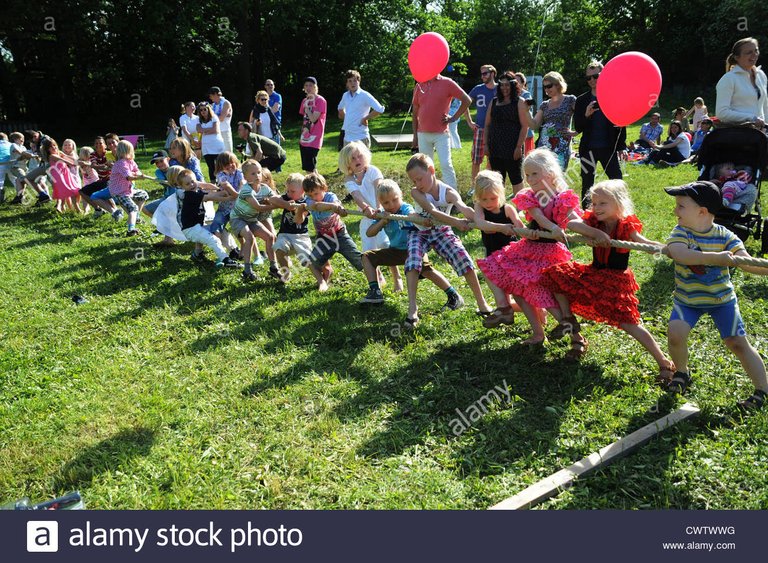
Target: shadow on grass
pixel 654 294
pixel 108 455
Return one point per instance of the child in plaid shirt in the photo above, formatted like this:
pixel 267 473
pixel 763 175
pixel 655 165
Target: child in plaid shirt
pixel 436 198
pixel 120 187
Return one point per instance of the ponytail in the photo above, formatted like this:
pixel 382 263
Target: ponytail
pixel 730 61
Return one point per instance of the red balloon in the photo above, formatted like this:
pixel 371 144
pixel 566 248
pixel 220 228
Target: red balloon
pixel 428 55
pixel 628 87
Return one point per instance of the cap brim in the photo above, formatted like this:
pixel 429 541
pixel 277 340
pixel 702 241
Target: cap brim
pixel 677 190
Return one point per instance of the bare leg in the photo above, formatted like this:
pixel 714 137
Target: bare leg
pixel 477 291
pixel 412 282
pixel 369 270
pixel 397 281
pixel 677 338
pixel 641 334
pixel 750 360
pixel 532 314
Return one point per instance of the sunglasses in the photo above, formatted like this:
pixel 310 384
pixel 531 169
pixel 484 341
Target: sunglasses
pixel 547 86
pixel 263 99
pixel 591 76
pixel 485 72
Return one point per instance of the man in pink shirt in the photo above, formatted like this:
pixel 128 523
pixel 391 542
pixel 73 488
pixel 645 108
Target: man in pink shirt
pixel 431 103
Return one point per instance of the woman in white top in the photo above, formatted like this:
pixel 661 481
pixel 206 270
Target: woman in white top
pixel 212 141
pixel 742 92
pixel 188 125
pixel 676 149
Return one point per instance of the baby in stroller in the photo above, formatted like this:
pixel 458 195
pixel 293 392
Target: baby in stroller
pixel 736 187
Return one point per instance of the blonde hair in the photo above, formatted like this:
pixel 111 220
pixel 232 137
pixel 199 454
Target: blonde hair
pixel 173 173
pixel 182 145
pixel 388 187
pixel 124 150
pixel 183 174
pixel 553 76
pixel 420 160
pixel 546 161
pixel 698 101
pixel 261 93
pixel 85 153
pixel 74 144
pixel 294 178
pixel 489 180
pixel 250 163
pixel 224 159
pixel 266 177
pixel 349 150
pixel 618 191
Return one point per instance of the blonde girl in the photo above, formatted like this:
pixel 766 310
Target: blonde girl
pixel 604 291
pixel 497 220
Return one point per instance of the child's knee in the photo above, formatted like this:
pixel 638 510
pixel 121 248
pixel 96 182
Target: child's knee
pixel 737 344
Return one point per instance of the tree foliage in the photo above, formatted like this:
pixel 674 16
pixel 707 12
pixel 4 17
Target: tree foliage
pixel 96 64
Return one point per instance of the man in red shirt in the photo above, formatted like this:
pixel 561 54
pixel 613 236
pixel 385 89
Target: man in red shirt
pixel 431 102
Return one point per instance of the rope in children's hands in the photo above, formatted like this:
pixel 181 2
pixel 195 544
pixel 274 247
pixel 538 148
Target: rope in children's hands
pixel 533 234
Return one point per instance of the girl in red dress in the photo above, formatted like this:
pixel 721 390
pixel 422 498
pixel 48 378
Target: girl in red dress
pixel 604 291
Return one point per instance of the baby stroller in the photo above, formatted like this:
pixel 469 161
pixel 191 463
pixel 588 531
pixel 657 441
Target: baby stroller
pixel 745 147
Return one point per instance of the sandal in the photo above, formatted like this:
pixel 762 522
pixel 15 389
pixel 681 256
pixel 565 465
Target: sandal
pixel 411 323
pixel 754 402
pixel 665 375
pixel 534 342
pixel 484 314
pixel 499 316
pixel 680 383
pixel 578 350
pixel 569 325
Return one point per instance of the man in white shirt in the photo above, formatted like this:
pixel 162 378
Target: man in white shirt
pixel 356 108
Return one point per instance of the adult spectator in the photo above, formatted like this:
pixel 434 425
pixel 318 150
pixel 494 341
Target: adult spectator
pixel 312 110
pixel 212 141
pixel 275 100
pixel 181 154
pixel 431 103
pixel 481 95
pixel 742 92
pixel 263 119
pixel 679 115
pixel 601 140
pixel 676 149
pixel 650 133
pixel 265 150
pixel 504 132
pixel 554 118
pixel 528 97
pixel 356 108
pixel 188 125
pixel 222 107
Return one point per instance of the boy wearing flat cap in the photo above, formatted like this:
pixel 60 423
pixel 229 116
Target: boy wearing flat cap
pixel 703 251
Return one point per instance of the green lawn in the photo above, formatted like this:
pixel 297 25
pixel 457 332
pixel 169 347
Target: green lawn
pixel 177 386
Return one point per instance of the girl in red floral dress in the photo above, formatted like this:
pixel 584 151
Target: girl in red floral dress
pixel 604 291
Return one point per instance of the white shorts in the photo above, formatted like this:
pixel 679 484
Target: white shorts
pixel 381 240
pixel 290 244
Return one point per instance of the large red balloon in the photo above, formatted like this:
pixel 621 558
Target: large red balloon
pixel 428 55
pixel 628 87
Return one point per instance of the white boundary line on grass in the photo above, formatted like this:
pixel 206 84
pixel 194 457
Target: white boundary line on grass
pixel 564 478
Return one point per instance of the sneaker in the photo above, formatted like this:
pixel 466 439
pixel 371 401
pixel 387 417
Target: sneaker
pixel 18 199
pixel 249 276
pixel 117 214
pixel 274 272
pixel 200 258
pixel 42 200
pixel 235 254
pixel 132 233
pixel 374 296
pixel 98 212
pixel 227 262
pixel 455 301
pixel 258 260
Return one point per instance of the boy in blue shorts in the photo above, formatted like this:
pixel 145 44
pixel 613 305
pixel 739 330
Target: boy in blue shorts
pixel 700 288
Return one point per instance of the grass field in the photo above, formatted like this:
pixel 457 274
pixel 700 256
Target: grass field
pixel 177 386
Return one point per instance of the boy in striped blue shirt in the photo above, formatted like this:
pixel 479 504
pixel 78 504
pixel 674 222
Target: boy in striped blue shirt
pixel 703 251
